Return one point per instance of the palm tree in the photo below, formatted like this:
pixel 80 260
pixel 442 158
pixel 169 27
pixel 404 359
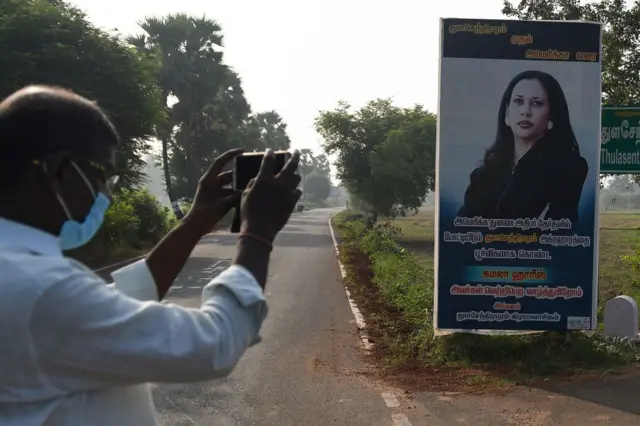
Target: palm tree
pixel 186 48
pixel 273 130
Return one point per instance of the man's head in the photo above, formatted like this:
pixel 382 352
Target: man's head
pixel 58 153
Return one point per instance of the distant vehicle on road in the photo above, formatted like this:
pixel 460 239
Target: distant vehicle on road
pixel 300 206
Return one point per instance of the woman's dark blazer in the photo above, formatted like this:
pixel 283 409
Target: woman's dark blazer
pixel 544 175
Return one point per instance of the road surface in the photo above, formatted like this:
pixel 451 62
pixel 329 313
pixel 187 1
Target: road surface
pixel 309 368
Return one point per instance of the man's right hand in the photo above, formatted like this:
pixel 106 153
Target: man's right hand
pixel 269 199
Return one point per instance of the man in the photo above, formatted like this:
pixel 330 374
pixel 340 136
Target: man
pixel 76 351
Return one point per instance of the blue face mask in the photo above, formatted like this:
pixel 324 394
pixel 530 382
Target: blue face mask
pixel 75 234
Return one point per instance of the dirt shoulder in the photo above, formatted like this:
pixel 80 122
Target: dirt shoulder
pixel 598 401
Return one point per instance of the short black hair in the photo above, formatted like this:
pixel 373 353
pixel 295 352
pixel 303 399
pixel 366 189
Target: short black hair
pixel 38 121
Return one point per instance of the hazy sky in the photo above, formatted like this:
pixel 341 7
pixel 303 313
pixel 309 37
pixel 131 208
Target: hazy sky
pixel 299 57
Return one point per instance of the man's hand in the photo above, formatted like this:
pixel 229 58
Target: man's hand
pixel 269 199
pixel 266 206
pixel 212 201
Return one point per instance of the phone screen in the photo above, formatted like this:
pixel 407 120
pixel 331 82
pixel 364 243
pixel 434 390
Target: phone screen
pixel 247 166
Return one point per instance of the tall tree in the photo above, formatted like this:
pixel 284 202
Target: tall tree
pixel 263 130
pixel 321 164
pixel 317 186
pixel 207 101
pixel 208 128
pixel 51 42
pixel 385 154
pixel 163 39
pixel 273 130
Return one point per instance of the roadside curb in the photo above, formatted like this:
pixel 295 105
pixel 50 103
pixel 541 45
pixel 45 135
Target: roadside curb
pixel 357 314
pixel 398 417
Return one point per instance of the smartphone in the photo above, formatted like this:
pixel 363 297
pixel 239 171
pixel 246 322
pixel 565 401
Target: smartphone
pixel 247 166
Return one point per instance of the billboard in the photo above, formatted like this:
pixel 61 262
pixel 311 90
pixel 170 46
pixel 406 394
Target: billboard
pixel 518 158
pixel 620 140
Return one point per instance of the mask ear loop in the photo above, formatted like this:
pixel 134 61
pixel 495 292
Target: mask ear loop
pixel 84 178
pixel 58 196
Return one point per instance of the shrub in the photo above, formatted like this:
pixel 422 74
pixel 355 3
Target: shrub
pixel 120 225
pixel 153 219
pixel 134 222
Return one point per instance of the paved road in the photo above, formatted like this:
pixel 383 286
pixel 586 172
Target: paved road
pixel 309 369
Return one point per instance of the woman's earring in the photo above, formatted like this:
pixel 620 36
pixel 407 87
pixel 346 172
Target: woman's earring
pixel 550 125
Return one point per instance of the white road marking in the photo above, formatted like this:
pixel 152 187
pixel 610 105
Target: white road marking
pixel 390 399
pixel 205 276
pixel 360 323
pixel 175 407
pixel 400 419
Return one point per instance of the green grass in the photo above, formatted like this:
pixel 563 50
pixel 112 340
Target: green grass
pixel 391 275
pixel 618 237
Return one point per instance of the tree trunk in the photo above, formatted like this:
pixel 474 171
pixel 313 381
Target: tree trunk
pixel 372 219
pixel 165 138
pixel 167 179
pixel 165 164
pixel 164 133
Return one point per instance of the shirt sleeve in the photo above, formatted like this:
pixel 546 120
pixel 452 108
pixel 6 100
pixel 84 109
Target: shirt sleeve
pixel 88 335
pixel 135 280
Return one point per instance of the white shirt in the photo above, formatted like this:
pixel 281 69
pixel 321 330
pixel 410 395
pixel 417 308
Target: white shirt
pixel 75 351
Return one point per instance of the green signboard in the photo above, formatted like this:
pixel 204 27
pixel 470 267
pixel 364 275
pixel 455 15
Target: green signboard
pixel 620 145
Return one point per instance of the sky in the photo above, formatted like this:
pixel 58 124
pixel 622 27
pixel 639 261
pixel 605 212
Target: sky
pixel 301 57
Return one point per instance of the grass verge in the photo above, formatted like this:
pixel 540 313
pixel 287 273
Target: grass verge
pixel 390 274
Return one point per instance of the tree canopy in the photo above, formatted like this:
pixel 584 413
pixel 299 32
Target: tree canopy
pixel 53 43
pixel 272 130
pixel 621 32
pixel 385 154
pixel 317 186
pixel 310 162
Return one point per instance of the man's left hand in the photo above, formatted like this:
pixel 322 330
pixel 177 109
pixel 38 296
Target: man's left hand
pixel 212 201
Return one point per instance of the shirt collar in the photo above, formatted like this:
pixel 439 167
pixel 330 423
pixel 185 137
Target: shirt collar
pixel 18 235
